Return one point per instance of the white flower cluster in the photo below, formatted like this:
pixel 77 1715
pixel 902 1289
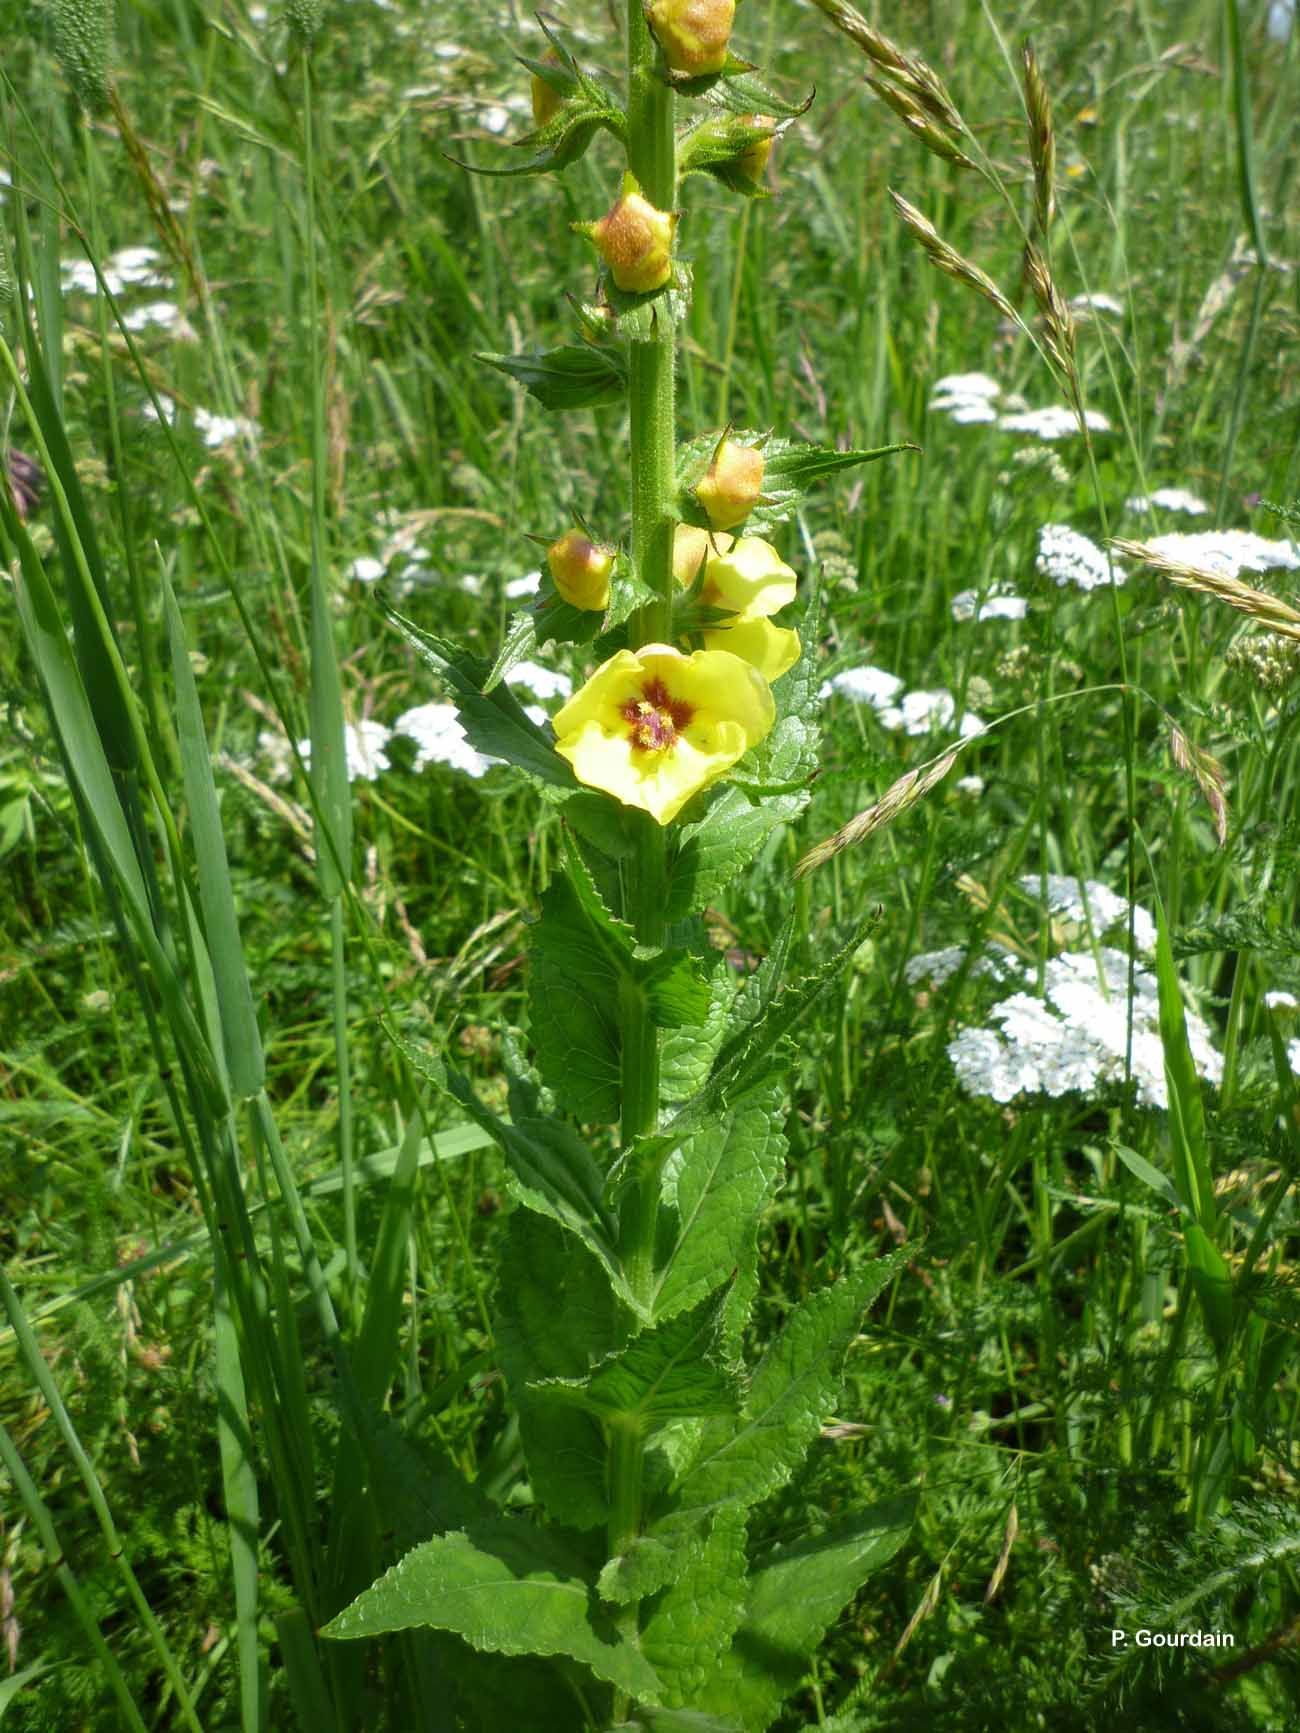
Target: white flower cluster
pixel 1227 551
pixel 1068 557
pixel 436 729
pixel 939 967
pixel 130 268
pixel 1096 303
pixel 1091 903
pixel 913 713
pixel 968 398
pixel 1074 1037
pixel 999 602
pixel 1168 499
pixel 215 430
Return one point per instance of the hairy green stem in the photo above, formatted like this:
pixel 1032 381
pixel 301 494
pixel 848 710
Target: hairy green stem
pixel 652 159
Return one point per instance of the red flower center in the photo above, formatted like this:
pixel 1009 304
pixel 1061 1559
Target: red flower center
pixel 655 719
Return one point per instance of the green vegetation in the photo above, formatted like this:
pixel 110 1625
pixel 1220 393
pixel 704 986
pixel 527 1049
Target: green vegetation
pixel 1000 1058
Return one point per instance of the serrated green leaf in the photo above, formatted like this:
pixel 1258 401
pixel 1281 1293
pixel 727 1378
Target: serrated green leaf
pixel 507 1588
pixel 494 722
pixel 686 1055
pixel 714 1194
pixel 551 1172
pixel 518 644
pixel 687 1631
pixel 793 1600
pixel 716 848
pixel 795 1387
pixel 585 962
pixel 745 93
pixel 674 1371
pixel 572 376
pixel 555 1316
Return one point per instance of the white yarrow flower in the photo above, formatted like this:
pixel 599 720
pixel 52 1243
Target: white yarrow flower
pixel 1055 422
pixel 440 738
pixel 1067 557
pixel 999 603
pixel 364 744
pixel 868 685
pixel 528 585
pixel 1169 499
pixel 541 682
pixel 1229 552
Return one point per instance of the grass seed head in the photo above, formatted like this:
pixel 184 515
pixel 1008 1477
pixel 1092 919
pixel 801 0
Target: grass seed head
pixel 83 42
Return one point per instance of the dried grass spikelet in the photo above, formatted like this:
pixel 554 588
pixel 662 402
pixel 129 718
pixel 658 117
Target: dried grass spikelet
pixel 915 90
pixel 1042 141
pixel 1060 334
pixel 1009 1534
pixel 1270 611
pixel 900 795
pixel 948 259
pixel 1208 775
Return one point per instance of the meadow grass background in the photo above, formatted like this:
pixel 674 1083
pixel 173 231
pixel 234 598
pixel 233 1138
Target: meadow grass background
pixel 1041 1376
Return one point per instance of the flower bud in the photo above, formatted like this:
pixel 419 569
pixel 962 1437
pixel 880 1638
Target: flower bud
pixel 305 18
pixel 693 33
pixel 635 240
pixel 547 100
pixel 753 159
pixel 581 569
pixel 732 484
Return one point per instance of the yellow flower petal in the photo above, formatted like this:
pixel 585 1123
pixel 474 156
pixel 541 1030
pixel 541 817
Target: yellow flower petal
pixel 653 727
pixel 773 650
pixel 750 578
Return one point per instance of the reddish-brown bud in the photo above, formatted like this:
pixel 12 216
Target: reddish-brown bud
pixel 693 33
pixel 752 161
pixel 730 487
pixel 635 240
pixel 581 569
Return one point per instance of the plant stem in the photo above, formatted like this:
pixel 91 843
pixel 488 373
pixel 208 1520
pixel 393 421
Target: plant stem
pixel 652 159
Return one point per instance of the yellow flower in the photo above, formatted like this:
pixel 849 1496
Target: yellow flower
pixel 581 569
pixel 749 578
pixel 693 33
pixel 732 485
pixel 653 727
pixel 635 240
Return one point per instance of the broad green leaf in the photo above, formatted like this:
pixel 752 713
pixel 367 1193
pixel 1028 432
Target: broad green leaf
pixel 241 1038
pixel 714 850
pixel 686 1054
pixel 585 963
pixel 1141 1168
pixel 494 722
pixel 573 376
pixel 508 1588
pixel 555 1318
pixel 715 1191
pixel 510 1693
pixel 795 1387
pixel 793 1600
pixel 550 1170
pixel 674 1371
pixel 687 1631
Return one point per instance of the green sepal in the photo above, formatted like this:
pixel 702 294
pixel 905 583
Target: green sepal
pixel 635 316
pixel 506 1587
pixel 790 468
pixel 572 376
pixel 794 1597
pixel 674 1371
pixel 715 147
pixel 586 108
pixel 495 722
pixel 701 83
